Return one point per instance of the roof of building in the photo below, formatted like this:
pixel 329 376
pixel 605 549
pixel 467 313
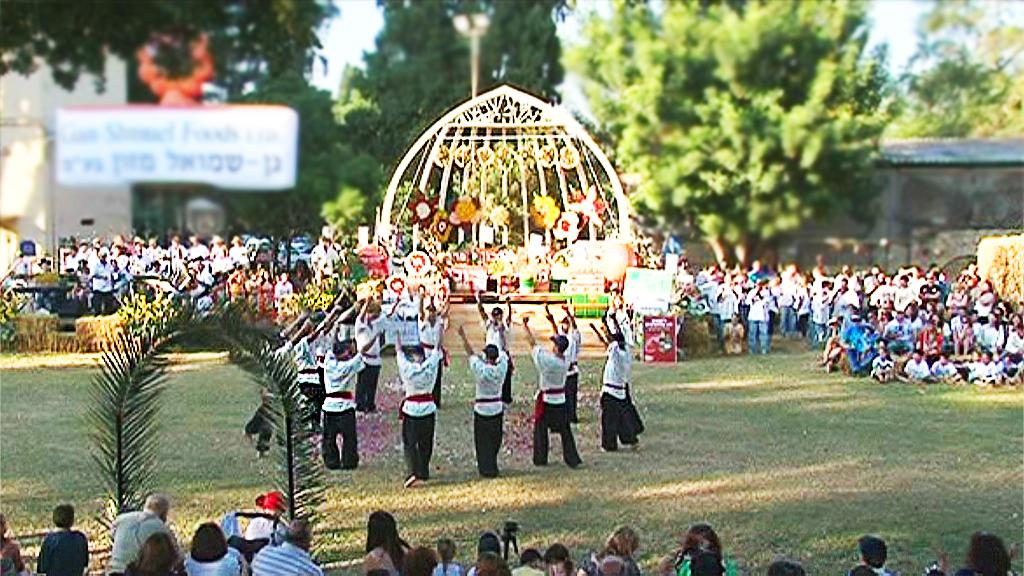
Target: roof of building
pixel 954 152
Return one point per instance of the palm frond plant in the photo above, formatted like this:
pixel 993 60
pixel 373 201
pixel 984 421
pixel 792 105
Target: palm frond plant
pixel 124 407
pixel 300 475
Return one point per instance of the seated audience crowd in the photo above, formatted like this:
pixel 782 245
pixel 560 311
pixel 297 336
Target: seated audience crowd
pixel 143 545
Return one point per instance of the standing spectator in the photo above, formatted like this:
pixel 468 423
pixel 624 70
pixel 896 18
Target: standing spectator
pixel 385 549
pixel 101 278
pixel 64 552
pixel 282 289
pixel 291 558
pixel 196 249
pixel 323 259
pixel 758 316
pixel 238 254
pixel 133 529
pixel 11 563
pixel 157 557
pixel 210 555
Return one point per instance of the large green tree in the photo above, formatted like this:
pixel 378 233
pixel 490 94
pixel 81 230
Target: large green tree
pixel 743 120
pixel 420 68
pixel 251 39
pixel 967 77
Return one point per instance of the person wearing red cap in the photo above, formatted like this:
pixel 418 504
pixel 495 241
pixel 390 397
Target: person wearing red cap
pixel 549 412
pixel 272 504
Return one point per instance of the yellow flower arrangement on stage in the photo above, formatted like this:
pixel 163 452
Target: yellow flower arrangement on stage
pixel 545 211
pixel 466 210
pixel 443 157
pixel 569 158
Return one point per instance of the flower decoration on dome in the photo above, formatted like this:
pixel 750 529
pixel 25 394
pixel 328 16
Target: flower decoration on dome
pixel 443 157
pixel 568 227
pixel 422 209
pixel 466 209
pixel 442 228
pixel 463 155
pixel 159 63
pixel 569 158
pixel 499 216
pixel 548 155
pixel 503 154
pixel 484 155
pixel 591 206
pixel 545 211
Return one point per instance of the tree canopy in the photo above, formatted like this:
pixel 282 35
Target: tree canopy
pixel 743 121
pixel 250 39
pixel 970 73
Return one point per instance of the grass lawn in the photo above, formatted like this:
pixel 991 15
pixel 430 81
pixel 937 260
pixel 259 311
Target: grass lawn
pixel 780 458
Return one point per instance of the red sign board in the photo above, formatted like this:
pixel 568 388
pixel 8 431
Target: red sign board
pixel 659 339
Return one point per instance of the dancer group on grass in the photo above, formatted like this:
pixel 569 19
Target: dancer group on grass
pixel 338 358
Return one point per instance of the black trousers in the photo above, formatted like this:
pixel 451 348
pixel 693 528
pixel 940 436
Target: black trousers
pixel 314 396
pixel 366 388
pixel 506 387
pixel 554 420
pixel 572 390
pixel 418 444
pixel 103 303
pixel 344 424
pixel 617 422
pixel 260 426
pixel 437 385
pixel 487 435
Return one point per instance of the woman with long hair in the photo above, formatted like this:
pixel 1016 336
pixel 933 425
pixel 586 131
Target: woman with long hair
pixel 385 549
pixel 618 551
pixel 158 557
pixel 986 556
pixel 10 553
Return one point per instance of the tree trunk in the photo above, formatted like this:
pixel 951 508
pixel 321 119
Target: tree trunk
pixel 721 251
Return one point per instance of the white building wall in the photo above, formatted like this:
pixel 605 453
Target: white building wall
pixel 32 205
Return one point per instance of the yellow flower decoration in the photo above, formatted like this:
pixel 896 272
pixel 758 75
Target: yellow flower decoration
pixel 441 228
pixel 463 155
pixel 545 211
pixel 503 154
pixel 569 158
pixel 484 155
pixel 499 216
pixel 466 209
pixel 443 157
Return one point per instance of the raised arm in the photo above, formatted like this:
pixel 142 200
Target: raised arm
pixel 568 314
pixel 529 334
pixel 423 297
pixel 480 307
pixel 465 341
pixel 365 310
pixel 508 310
pixel 551 318
pixel 602 336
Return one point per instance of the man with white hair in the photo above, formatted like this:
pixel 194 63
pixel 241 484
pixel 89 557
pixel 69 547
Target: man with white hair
pixel 132 529
pixel 101 279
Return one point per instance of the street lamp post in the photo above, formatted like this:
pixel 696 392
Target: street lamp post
pixel 473 26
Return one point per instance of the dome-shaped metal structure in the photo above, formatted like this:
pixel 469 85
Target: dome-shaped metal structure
pixel 515 134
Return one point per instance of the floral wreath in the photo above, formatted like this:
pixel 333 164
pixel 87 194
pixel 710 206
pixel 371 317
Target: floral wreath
pixel 569 158
pixel 422 209
pixel 442 228
pixel 568 227
pixel 175 90
pixel 545 211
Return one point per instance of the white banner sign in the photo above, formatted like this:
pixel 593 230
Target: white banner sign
pixel 240 147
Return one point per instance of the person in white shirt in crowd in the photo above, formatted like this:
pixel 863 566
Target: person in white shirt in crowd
pixel 282 289
pixel 568 328
pixel 989 335
pixel 904 295
pixel 728 308
pixel 821 312
pixel 846 301
pixel 368 329
pixel 432 325
pixel 341 369
pixel 802 306
pixel 197 250
pixel 210 554
pixel 498 330
pixel 324 259
pixel 1014 348
pixel 176 251
pixel 916 369
pixel 985 371
pixel 417 372
pixel 945 371
pixel 617 422
pixel 238 254
pixel 102 276
pixel 488 410
pixel 788 302
pixel 883 367
pixel 132 529
pixel 758 315
pixel 220 257
pixel 549 409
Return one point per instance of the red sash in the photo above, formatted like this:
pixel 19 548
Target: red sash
pixel 347 395
pixel 413 398
pixel 538 405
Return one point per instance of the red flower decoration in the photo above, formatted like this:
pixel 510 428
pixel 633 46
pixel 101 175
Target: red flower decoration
pixel 422 209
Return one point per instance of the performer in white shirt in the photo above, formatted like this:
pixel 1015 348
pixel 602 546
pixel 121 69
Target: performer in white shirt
pixel 369 325
pixel 498 328
pixel 618 417
pixel 417 372
pixel 549 411
pixel 432 324
pixel 101 278
pixel 568 328
pixel 488 411
pixel 341 369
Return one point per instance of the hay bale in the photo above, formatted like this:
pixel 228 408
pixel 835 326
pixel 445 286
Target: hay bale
pixel 93 332
pixel 1001 262
pixel 31 331
pixel 698 339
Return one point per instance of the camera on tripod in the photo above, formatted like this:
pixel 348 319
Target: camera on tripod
pixel 508 538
